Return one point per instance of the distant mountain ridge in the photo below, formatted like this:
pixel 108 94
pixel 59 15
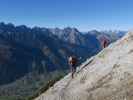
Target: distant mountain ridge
pixel 112 35
pixel 73 36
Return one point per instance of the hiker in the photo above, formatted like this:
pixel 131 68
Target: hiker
pixel 104 41
pixel 72 62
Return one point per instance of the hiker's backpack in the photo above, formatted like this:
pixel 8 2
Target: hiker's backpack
pixel 72 60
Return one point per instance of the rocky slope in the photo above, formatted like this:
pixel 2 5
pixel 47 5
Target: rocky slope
pixel 106 76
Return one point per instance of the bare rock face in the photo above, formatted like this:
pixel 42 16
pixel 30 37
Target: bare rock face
pixel 106 76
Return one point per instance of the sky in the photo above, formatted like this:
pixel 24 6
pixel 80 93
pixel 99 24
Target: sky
pixel 82 14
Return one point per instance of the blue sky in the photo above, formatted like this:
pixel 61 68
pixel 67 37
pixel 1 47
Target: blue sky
pixel 82 14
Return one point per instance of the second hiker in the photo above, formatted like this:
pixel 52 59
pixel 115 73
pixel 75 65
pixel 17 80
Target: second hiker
pixel 73 63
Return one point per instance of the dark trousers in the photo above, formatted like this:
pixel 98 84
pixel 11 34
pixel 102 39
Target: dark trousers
pixel 73 69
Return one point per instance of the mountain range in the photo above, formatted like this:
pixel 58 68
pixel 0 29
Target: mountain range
pixel 29 57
